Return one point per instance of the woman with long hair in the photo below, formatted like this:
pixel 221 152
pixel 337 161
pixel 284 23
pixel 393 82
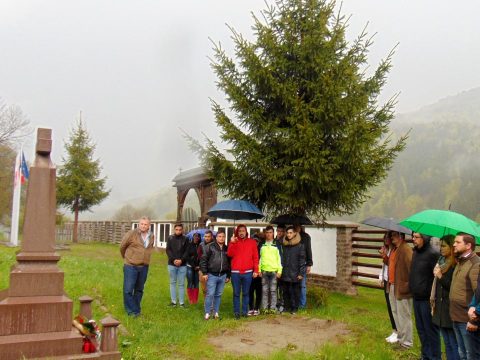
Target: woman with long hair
pixel 193 265
pixel 385 251
pixel 439 298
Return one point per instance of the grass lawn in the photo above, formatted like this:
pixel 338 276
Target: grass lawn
pixel 95 269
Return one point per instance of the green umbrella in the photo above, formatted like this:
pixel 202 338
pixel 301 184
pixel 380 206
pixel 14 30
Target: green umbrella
pixel 441 222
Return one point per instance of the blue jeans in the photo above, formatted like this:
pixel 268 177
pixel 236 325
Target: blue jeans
pixel 134 278
pixel 451 347
pixel 215 285
pixel 192 278
pixel 177 276
pixel 241 283
pixel 468 342
pixel 427 332
pixel 303 292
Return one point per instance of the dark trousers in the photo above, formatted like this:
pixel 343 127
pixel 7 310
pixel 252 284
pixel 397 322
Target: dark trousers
pixel 279 294
pixel 134 278
pixel 389 307
pixel 427 332
pixel 255 295
pixel 451 347
pixel 241 285
pixel 192 278
pixel 291 295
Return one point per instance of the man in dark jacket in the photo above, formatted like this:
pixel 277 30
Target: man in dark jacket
pixel 177 252
pixel 293 262
pixel 306 240
pixel 216 267
pixel 421 279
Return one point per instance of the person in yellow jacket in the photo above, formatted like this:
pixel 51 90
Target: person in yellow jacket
pixel 270 267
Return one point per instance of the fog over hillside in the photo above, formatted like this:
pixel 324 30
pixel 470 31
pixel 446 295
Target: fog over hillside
pixel 440 166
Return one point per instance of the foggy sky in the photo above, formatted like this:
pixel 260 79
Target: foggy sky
pixel 138 70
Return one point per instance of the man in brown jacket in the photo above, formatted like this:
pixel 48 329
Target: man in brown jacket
pixel 464 283
pixel 399 290
pixel 136 249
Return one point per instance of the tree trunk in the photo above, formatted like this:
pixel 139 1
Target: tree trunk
pixel 75 223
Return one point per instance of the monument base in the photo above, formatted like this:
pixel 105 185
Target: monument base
pixel 35 314
pixel 14 347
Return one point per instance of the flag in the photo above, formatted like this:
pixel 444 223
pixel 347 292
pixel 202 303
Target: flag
pixel 17 185
pixel 24 169
pixel 18 174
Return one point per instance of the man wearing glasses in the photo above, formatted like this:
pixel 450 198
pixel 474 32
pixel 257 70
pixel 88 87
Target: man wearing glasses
pixel 399 290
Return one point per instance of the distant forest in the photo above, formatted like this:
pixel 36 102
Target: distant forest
pixel 440 167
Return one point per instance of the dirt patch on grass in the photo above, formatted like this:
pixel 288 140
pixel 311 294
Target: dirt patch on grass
pixel 290 333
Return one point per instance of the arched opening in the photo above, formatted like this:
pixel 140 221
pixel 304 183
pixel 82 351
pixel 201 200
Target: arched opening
pixel 204 189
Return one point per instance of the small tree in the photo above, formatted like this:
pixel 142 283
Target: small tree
pixel 79 185
pixel 304 129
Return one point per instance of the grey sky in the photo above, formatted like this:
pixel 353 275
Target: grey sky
pixel 139 70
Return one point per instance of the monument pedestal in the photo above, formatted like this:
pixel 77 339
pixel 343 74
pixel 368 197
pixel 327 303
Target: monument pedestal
pixel 35 314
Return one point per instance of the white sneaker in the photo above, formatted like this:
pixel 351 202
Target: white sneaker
pixel 393 338
pixel 207 316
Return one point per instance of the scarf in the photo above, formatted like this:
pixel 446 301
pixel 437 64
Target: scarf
pixel 443 263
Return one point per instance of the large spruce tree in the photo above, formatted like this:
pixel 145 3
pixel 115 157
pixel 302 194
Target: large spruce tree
pixel 79 185
pixel 304 129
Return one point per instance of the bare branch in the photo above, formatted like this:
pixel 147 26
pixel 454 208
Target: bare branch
pixel 14 124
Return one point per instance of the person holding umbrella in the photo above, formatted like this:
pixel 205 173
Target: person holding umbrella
pixel 244 267
pixel 193 266
pixel 439 300
pixel 216 269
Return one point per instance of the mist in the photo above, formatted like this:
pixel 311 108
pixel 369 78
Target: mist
pixel 139 71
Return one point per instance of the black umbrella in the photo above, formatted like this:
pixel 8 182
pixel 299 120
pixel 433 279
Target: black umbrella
pixel 387 224
pixel 235 210
pixel 291 219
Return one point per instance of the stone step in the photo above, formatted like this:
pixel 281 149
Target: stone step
pixel 45 345
pixel 35 314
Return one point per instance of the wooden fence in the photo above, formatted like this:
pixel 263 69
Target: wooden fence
pixel 366 259
pixel 103 231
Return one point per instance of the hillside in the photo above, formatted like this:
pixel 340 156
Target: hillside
pixel 440 167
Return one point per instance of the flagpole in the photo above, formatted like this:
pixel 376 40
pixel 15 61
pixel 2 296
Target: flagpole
pixel 17 187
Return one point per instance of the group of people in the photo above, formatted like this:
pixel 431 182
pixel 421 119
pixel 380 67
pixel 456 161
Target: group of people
pixel 443 289
pixel 267 273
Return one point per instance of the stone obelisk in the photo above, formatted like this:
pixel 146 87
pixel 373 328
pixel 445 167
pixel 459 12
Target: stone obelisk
pixel 35 314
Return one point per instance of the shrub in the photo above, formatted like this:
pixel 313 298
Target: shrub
pixel 317 296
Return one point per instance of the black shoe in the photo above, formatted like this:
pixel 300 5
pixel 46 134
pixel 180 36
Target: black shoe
pixel 172 304
pixel 237 316
pixel 182 306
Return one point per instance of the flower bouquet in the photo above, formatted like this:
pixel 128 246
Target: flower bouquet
pixel 91 333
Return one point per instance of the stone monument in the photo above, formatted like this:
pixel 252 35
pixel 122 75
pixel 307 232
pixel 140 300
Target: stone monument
pixel 35 313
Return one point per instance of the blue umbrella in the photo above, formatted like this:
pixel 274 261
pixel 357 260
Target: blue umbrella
pixel 235 210
pixel 199 231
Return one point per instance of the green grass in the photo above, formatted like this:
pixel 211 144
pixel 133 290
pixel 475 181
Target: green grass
pixel 95 269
